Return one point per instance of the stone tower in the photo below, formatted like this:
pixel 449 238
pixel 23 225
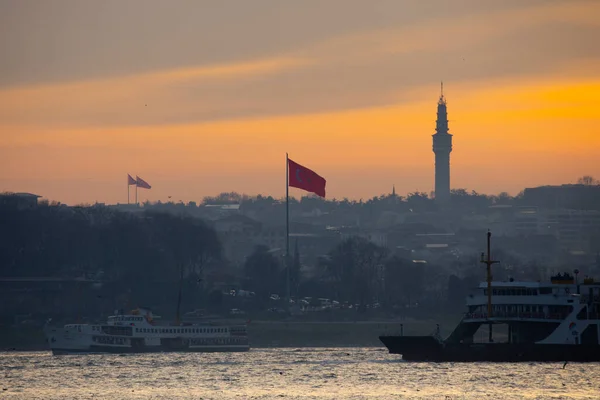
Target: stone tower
pixel 442 146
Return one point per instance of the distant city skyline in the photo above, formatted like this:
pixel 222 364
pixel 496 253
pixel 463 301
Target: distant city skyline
pixel 202 97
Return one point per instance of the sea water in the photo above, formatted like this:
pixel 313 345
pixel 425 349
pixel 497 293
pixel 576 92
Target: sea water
pixel 307 373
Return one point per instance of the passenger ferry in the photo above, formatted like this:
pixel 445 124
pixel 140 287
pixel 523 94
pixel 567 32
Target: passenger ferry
pixel 557 320
pixel 138 332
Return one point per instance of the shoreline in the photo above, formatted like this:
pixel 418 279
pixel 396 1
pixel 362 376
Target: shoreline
pixel 274 334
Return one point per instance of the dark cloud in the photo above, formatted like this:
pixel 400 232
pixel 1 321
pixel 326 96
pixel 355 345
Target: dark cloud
pixel 66 40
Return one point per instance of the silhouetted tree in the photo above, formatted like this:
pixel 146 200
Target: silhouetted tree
pixel 134 254
pixel 356 268
pixel 588 180
pixel 262 273
pixel 404 281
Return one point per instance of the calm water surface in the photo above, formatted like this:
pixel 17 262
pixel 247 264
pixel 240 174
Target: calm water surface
pixel 341 373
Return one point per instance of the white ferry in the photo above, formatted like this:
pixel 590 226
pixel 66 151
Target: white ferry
pixel 138 332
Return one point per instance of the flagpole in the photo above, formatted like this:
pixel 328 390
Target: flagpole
pixel 287 228
pixel 136 203
pixel 127 189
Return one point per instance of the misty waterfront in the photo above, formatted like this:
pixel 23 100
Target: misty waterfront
pixel 403 260
pixel 327 373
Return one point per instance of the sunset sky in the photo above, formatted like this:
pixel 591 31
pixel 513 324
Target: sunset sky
pixel 199 97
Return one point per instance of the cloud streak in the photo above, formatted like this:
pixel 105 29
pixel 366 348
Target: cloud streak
pixel 368 69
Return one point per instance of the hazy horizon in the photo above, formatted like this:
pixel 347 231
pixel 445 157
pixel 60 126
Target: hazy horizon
pixel 201 97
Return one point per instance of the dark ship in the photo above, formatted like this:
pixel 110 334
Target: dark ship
pixel 554 321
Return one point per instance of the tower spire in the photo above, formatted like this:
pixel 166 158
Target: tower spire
pixel 442 147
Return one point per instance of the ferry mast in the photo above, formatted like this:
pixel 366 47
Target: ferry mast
pixel 489 263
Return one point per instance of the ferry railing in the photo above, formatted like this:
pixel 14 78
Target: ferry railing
pixel 521 315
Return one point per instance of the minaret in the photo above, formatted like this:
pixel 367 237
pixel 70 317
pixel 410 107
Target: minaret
pixel 442 146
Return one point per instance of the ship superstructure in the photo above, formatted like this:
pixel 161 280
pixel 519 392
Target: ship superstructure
pixel 557 320
pixel 138 332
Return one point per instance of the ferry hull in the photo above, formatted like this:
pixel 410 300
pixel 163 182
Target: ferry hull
pixel 67 341
pixel 154 349
pixel 427 348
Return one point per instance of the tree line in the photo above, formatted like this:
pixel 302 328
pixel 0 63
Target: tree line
pixel 139 258
pixel 416 201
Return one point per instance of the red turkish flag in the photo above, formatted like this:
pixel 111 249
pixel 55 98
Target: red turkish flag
pixel 142 183
pixel 303 178
pixel 130 180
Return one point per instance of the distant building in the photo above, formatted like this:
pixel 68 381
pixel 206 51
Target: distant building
pixel 20 200
pixel 575 197
pixel 442 146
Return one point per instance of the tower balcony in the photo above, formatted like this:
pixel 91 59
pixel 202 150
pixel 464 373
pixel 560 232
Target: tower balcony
pixel 442 142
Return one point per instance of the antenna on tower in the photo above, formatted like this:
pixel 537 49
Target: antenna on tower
pixel 442 88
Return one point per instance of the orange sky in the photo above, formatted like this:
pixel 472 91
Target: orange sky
pixel 200 105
